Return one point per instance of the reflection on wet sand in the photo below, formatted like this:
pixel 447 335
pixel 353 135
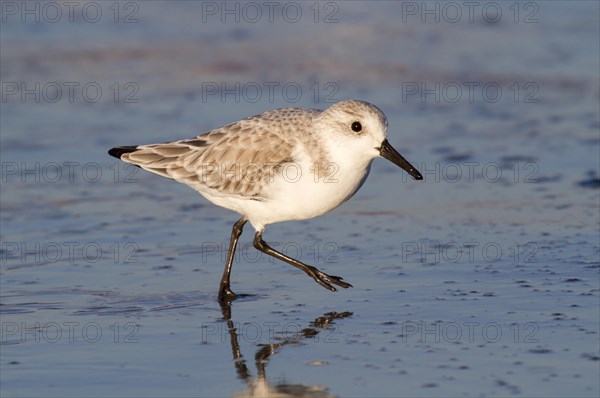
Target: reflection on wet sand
pixel 259 386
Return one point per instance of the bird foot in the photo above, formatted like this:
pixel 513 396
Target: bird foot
pixel 226 294
pixel 327 280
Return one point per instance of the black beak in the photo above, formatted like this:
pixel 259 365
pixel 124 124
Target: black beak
pixel 387 151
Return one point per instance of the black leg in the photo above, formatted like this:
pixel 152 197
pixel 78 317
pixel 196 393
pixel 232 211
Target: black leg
pixel 320 277
pixel 225 293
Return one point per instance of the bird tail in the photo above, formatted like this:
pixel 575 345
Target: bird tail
pixel 119 151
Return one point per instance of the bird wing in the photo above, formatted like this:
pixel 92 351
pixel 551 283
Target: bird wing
pixel 238 160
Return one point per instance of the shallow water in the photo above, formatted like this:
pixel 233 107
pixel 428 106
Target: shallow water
pixel 482 280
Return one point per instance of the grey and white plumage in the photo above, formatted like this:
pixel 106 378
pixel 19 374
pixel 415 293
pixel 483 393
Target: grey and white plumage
pixel 284 164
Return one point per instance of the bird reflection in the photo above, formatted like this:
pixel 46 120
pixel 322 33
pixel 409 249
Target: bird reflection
pixel 259 386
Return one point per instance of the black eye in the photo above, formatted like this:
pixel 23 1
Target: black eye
pixel 356 127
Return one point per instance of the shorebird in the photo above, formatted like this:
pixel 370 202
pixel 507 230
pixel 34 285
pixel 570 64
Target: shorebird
pixel 285 164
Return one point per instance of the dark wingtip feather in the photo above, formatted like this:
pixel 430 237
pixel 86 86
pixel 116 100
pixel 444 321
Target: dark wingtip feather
pixel 118 151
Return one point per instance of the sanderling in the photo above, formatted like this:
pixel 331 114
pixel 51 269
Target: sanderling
pixel 285 164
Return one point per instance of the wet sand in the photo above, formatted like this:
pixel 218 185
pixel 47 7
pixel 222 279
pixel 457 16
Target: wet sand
pixel 481 280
